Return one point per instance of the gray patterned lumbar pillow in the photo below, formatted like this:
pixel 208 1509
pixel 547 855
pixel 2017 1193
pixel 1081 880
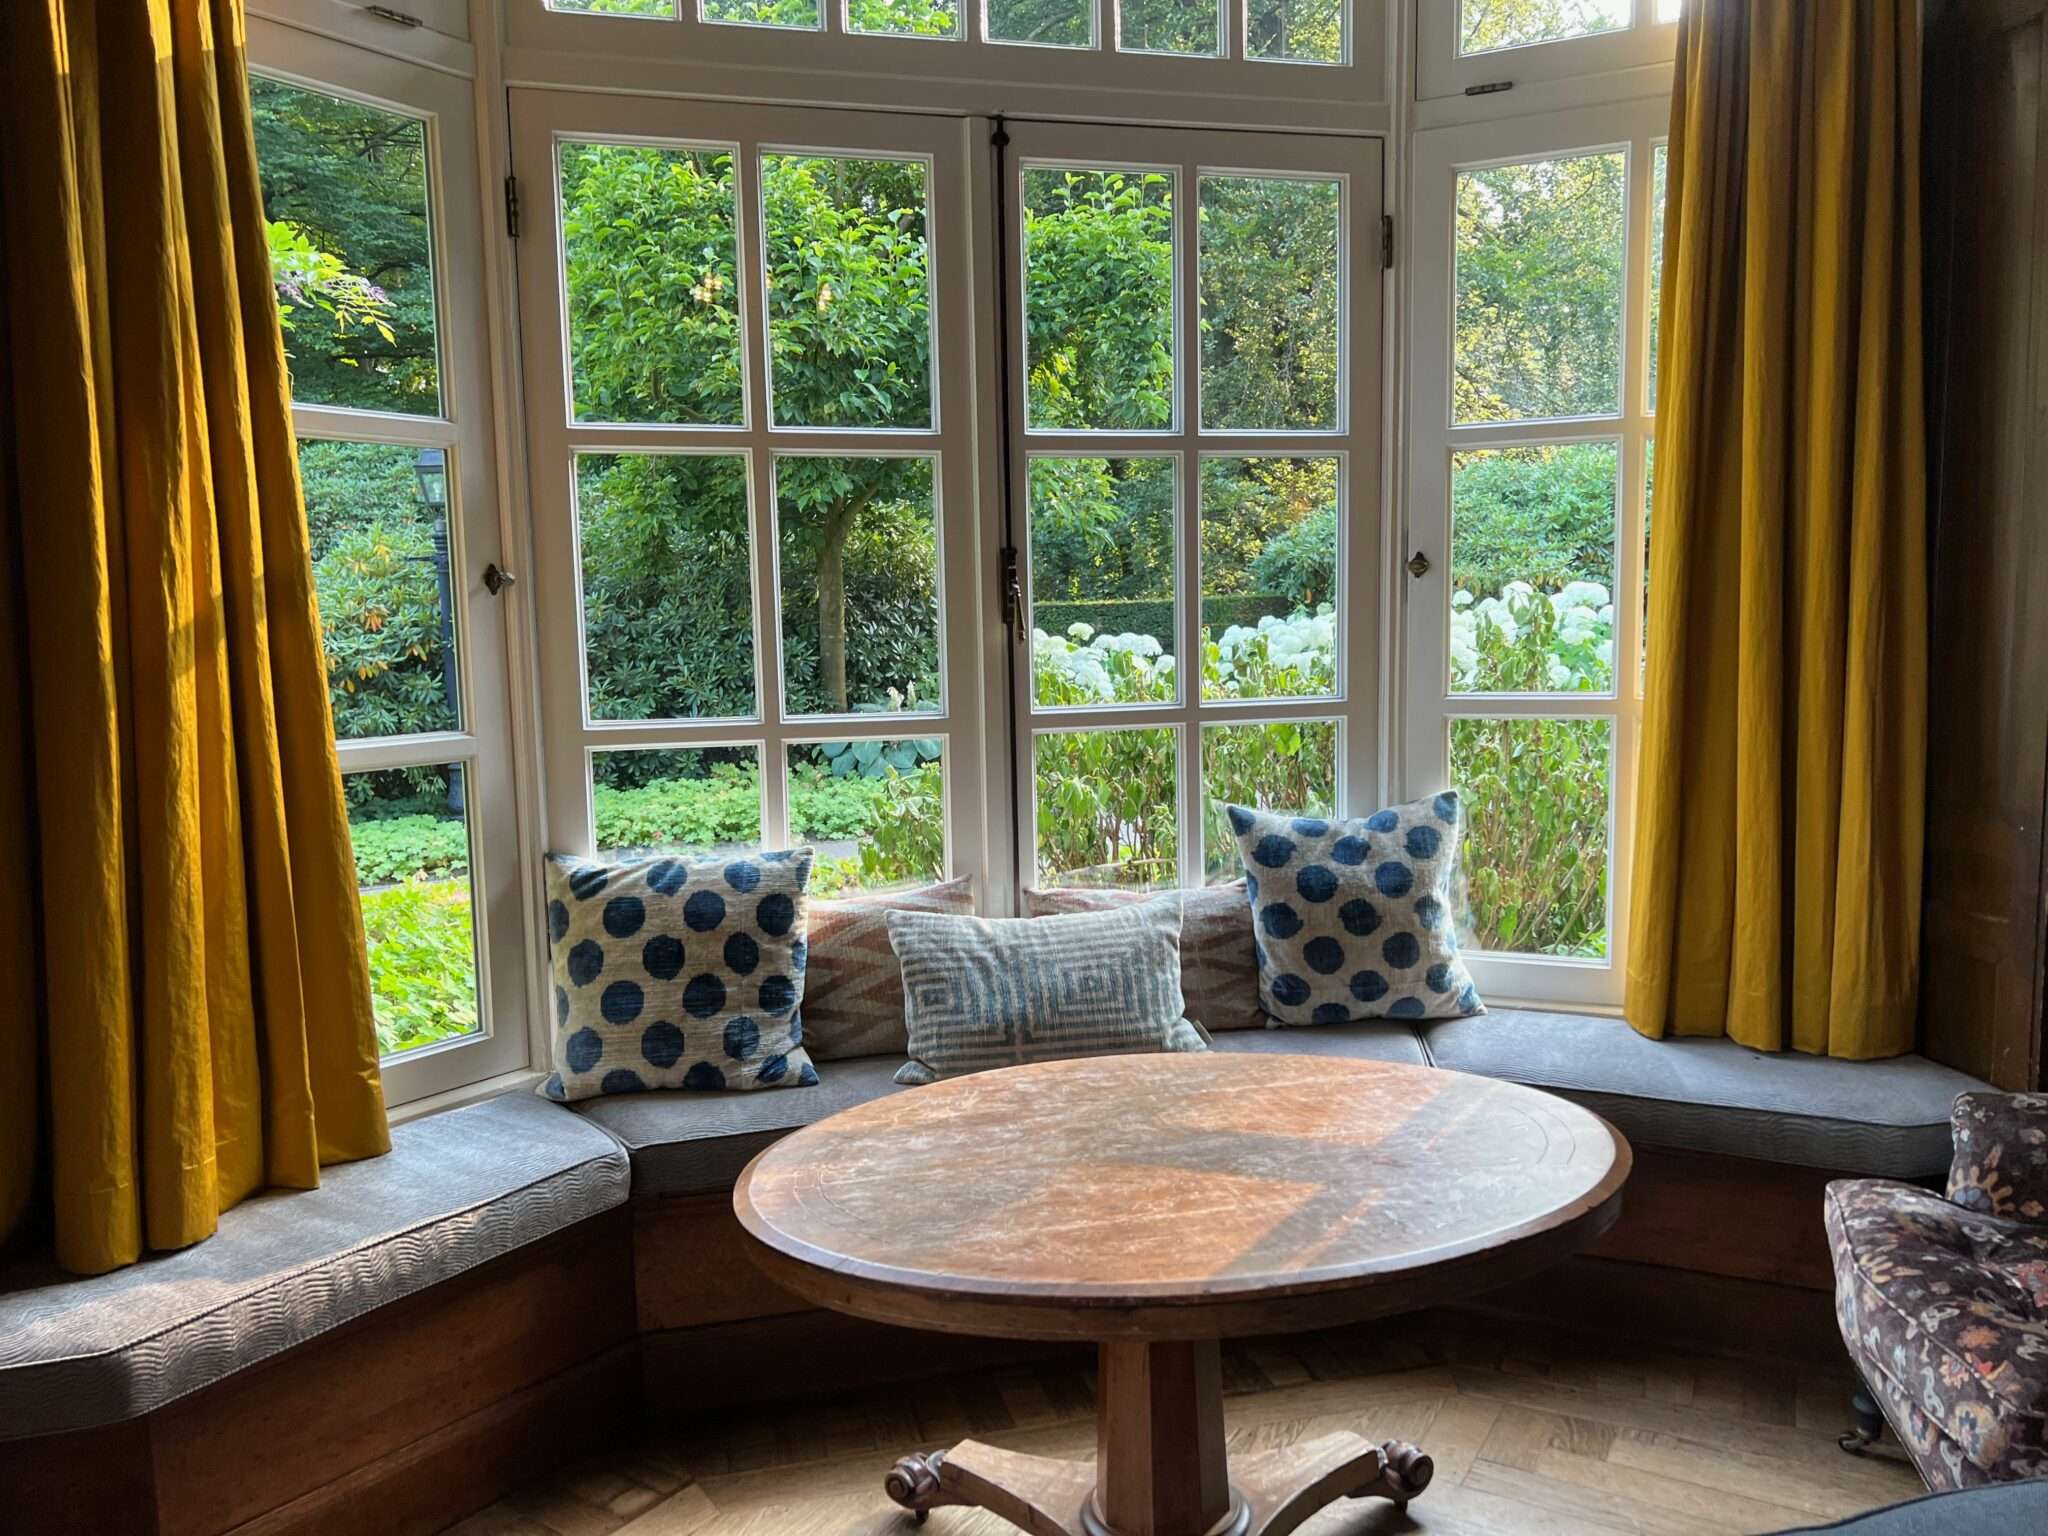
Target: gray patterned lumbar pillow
pixel 678 973
pixel 992 992
pixel 1354 917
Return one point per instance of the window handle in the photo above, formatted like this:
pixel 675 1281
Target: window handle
pixel 1418 565
pixel 496 580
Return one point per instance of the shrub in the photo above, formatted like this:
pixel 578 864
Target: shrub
pixel 394 848
pixel 422 962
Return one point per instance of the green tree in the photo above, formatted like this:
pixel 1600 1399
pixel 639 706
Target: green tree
pixel 345 193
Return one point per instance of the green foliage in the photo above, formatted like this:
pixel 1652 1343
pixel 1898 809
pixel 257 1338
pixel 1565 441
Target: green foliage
pixel 1098 299
pixel 380 621
pixel 1310 31
pixel 1282 765
pixel 1535 857
pixel 422 963
pixel 1485 24
pixel 719 810
pixel 1270 294
pixel 397 848
pixel 1542 514
pixel 1539 289
pixel 345 196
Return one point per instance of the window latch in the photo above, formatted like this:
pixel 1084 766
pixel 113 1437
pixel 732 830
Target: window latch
pixel 496 580
pixel 1013 593
pixel 1418 565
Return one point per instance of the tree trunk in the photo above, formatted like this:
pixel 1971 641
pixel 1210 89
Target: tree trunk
pixel 832 601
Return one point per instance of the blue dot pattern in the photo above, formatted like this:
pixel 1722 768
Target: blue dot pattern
pixel 678 973
pixel 1353 917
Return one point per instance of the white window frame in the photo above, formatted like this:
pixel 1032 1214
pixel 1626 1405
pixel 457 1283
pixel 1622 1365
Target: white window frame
pixel 541 121
pixel 1355 704
pixel 967 74
pixel 500 876
pixel 1442 71
pixel 1438 157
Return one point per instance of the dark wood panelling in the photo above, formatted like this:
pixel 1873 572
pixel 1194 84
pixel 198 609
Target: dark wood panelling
pixel 1730 1216
pixel 1677 1309
pixel 693 1265
pixel 90 1483
pixel 376 1386
pixel 432 1482
pixel 1987 281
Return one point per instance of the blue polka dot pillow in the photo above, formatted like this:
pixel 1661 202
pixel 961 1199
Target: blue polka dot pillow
pixel 678 973
pixel 1353 918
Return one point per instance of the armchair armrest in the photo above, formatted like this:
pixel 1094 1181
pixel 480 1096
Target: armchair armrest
pixel 2000 1165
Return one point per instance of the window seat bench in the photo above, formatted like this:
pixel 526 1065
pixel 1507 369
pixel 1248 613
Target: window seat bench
pixel 410 1336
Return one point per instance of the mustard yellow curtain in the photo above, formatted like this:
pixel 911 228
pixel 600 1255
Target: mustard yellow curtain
pixel 1778 842
pixel 184 950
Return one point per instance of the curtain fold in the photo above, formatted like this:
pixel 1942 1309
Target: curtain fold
pixel 1776 894
pixel 190 959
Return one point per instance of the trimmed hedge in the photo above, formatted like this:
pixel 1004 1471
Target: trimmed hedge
pixel 1154 616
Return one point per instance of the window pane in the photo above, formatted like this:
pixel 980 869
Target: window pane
pixel 664 9
pixel 874 810
pixel 1535 853
pixel 1049 23
pixel 681 800
pixel 1103 622
pixel 763 13
pixel 654 316
pixel 1484 24
pixel 410 829
pixel 1539 290
pixel 1170 26
pixel 1270 302
pixel 1284 765
pixel 1532 568
pixel 1106 804
pixel 377 518
pixel 668 585
pixel 1295 31
pixel 1269 578
pixel 351 252
pixel 849 304
pixel 1098 298
pixel 904 18
pixel 1670 10
pixel 860 584
pixel 1658 159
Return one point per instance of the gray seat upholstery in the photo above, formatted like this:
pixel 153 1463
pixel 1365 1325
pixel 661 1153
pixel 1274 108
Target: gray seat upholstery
pixel 1885 1119
pixel 1380 1040
pixel 455 1190
pixel 697 1143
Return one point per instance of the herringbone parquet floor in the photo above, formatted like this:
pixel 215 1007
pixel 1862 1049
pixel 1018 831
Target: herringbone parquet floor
pixel 1534 1434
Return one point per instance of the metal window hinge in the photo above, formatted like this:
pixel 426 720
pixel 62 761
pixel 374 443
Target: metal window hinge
pixel 1013 592
pixel 512 206
pixel 1490 88
pixel 1386 240
pixel 396 18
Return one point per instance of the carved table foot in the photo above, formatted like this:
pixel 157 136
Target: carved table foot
pixel 1273 1492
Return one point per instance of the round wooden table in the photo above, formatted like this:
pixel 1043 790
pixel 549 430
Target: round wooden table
pixel 1157 1204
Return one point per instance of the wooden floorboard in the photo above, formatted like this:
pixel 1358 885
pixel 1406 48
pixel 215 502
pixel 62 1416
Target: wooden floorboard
pixel 1535 1433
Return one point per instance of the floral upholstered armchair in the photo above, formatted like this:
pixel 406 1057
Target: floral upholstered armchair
pixel 1943 1299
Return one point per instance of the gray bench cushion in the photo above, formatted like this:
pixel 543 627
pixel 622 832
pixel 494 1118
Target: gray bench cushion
pixel 1379 1040
pixel 455 1190
pixel 697 1143
pixel 1884 1119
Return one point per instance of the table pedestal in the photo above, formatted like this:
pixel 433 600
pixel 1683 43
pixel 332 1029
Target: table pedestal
pixel 1160 1467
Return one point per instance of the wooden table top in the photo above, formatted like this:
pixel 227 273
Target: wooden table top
pixel 1167 1196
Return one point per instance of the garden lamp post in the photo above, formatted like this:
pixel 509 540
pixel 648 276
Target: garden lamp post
pixel 430 469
